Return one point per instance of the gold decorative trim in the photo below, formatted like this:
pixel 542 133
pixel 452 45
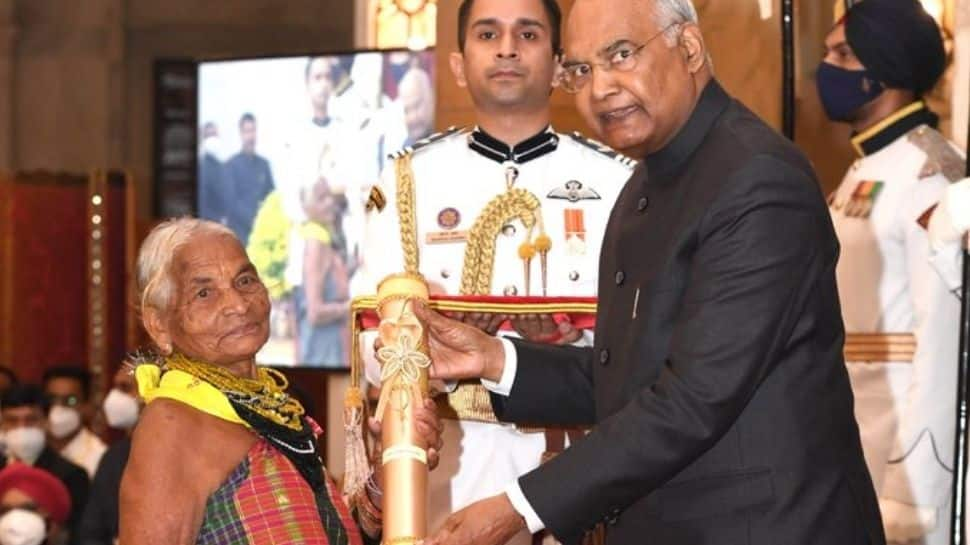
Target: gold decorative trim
pixel 97 221
pixel 406 213
pixel 860 138
pixel 369 303
pixel 479 262
pixel 879 347
pixel 469 402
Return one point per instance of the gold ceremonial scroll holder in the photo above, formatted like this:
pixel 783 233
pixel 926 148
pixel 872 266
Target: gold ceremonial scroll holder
pixel 404 362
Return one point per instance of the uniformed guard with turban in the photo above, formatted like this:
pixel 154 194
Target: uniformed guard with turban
pixel 901 343
pixel 34 506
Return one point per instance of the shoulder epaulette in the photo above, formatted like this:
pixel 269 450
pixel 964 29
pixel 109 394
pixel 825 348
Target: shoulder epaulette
pixel 602 149
pixel 437 137
pixel 941 157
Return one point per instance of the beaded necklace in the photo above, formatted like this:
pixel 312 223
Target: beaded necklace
pixel 266 396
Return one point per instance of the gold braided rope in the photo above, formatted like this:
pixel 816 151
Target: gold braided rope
pixel 468 401
pixel 406 213
pixel 471 401
pixel 477 270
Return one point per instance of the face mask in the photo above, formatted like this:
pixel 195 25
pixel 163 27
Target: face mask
pixel 843 92
pixel 63 421
pixel 25 444
pixel 120 410
pixel 22 527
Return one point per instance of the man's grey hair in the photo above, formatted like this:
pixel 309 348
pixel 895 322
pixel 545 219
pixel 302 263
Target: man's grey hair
pixel 669 14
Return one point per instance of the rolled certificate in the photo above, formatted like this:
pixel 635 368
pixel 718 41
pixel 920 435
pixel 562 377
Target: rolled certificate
pixel 404 386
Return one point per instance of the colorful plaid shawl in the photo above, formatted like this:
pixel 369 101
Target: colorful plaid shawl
pixel 266 501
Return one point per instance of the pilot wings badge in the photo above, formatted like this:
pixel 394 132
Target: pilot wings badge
pixel 574 191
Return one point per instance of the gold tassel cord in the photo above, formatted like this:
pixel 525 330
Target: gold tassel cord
pixel 542 245
pixel 527 252
pixel 479 262
pixel 407 214
pixel 357 467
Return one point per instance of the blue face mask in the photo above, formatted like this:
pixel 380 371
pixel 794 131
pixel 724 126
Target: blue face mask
pixel 843 91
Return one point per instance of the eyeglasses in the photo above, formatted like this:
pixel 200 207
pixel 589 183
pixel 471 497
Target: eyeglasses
pixel 624 58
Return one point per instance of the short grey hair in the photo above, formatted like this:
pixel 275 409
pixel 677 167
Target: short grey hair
pixel 153 275
pixel 668 13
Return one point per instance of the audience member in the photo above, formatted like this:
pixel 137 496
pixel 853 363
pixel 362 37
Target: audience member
pixel 34 506
pixel 122 407
pixel 68 390
pixel 23 413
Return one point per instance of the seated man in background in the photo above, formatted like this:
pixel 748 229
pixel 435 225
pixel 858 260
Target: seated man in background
pixel 23 415
pixel 122 407
pixel 68 389
pixel 34 506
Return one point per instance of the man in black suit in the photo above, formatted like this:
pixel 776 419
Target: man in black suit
pixel 23 419
pixel 251 179
pixel 719 400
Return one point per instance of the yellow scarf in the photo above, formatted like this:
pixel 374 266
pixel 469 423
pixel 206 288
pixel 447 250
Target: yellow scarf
pixel 216 391
pixel 186 388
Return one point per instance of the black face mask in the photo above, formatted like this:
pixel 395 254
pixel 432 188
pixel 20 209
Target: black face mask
pixel 843 91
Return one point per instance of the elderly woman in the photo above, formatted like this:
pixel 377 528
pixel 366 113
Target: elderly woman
pixel 221 454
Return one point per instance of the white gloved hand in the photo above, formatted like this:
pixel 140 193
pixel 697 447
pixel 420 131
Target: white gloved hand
pixel 904 522
pixel 951 219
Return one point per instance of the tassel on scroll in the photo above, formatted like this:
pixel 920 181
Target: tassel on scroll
pixel 357 468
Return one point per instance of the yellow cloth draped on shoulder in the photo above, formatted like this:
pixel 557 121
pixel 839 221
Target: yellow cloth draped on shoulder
pixel 186 388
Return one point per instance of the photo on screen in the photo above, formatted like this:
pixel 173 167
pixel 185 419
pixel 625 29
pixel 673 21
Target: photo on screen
pixel 289 149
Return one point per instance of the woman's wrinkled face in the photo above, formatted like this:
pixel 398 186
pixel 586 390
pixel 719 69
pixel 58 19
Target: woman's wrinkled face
pixel 220 311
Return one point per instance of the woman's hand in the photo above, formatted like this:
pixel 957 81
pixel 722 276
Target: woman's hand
pixel 427 427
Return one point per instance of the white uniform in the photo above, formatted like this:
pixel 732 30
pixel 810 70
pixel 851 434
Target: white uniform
pixel 888 286
pixel 455 175
pixel 947 229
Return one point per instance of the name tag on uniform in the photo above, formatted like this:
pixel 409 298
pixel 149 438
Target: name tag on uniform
pixel 446 237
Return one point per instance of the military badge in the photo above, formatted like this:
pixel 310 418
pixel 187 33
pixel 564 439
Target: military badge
pixel 573 191
pixel 941 157
pixel 832 202
pixel 863 199
pixel 446 237
pixel 924 219
pixel 376 199
pixel 449 218
pixel 575 224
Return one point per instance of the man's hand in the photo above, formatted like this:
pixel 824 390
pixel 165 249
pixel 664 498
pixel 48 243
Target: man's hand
pixel 485 321
pixel 542 328
pixel 904 522
pixel 460 351
pixel 492 521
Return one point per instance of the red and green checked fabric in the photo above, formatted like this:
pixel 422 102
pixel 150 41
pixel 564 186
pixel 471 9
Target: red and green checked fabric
pixel 266 501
